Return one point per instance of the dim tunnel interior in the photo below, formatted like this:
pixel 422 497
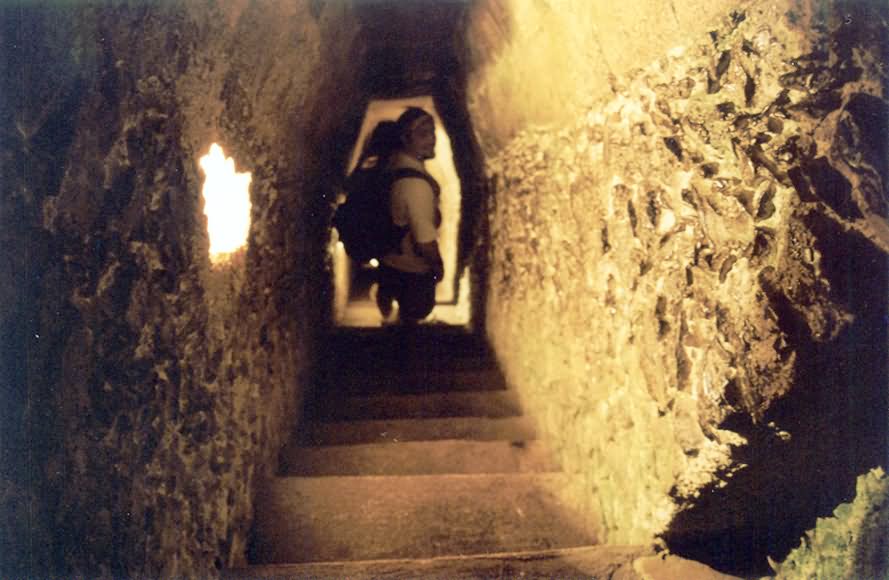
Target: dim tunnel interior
pixel 668 256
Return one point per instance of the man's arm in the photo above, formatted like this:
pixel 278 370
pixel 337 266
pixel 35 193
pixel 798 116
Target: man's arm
pixel 421 218
pixel 430 253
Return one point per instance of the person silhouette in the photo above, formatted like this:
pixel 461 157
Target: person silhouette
pixel 409 274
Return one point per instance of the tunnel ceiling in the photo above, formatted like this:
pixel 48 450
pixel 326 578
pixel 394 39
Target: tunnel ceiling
pixel 410 46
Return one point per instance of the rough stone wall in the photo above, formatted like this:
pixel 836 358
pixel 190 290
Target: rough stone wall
pixel 669 260
pixel 533 61
pixel 148 391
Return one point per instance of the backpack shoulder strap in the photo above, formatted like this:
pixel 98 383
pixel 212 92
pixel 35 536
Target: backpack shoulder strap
pixel 403 172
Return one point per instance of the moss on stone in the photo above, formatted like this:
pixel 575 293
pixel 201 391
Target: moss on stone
pixel 852 543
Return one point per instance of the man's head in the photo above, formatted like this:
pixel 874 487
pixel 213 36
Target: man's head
pixel 416 129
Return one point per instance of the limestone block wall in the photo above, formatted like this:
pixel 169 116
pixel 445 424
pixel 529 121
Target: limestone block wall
pixel 662 263
pixel 147 392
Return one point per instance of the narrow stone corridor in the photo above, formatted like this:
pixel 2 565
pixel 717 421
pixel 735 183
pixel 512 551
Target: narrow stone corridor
pixel 666 225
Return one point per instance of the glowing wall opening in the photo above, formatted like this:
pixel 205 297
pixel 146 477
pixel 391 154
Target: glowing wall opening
pixel 227 205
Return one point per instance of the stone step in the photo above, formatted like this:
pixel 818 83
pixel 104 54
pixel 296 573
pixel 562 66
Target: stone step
pixel 392 345
pixel 442 334
pixel 305 519
pixel 495 404
pixel 372 381
pixel 418 458
pixel 355 362
pixel 395 430
pixel 574 563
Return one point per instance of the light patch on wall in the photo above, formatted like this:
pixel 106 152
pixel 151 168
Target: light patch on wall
pixel 226 204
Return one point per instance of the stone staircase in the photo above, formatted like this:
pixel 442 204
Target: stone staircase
pixel 414 461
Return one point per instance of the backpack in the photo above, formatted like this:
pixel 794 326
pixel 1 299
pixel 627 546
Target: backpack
pixel 364 221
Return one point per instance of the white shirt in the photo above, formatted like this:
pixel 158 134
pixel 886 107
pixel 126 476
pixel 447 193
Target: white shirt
pixel 412 204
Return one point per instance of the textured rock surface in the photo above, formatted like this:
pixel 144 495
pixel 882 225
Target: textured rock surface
pixel 536 62
pixel 149 390
pixel 671 262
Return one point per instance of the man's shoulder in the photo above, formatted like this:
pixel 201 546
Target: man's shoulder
pixel 407 173
pixel 411 179
pixel 410 173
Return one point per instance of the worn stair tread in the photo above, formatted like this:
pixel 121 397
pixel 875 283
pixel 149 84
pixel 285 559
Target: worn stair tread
pixel 372 517
pixel 495 404
pixel 426 333
pixel 371 381
pixel 386 338
pixel 371 362
pixel 417 458
pixel 582 562
pixel 395 430
pixel 391 350
pixel 381 357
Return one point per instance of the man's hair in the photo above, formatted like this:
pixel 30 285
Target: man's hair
pixel 409 119
pixel 382 142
